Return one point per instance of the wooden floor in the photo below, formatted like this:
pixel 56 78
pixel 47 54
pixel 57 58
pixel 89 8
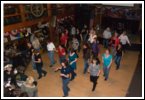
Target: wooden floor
pixel 116 86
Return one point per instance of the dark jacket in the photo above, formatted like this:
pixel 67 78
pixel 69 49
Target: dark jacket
pixel 86 53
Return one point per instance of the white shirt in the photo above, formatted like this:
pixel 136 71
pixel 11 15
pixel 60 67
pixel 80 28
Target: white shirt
pixel 106 34
pixel 36 43
pixel 50 47
pixel 73 31
pixel 92 37
pixel 124 39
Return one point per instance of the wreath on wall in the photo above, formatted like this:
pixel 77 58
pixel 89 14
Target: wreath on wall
pixel 37 9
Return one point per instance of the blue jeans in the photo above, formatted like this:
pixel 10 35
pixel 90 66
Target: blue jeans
pixel 65 86
pixel 33 63
pixel 117 60
pixel 51 57
pixel 85 65
pixel 106 43
pixel 113 51
pixel 62 58
pixel 106 72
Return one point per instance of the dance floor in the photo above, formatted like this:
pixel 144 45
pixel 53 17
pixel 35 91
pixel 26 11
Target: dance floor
pixel 116 86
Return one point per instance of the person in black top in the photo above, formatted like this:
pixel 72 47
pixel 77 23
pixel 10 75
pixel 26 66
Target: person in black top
pixel 78 36
pixel 84 33
pixel 9 75
pixel 65 75
pixel 30 48
pixel 118 56
pixel 86 56
pixel 39 64
pixel 31 53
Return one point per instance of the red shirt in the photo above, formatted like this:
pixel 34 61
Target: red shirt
pixel 63 39
pixel 66 35
pixel 61 52
pixel 115 41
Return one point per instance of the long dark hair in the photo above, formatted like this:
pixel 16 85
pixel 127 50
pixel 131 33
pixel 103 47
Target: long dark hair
pixel 65 62
pixel 97 60
pixel 72 50
pixel 87 45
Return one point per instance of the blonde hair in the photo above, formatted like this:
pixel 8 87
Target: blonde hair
pixel 30 80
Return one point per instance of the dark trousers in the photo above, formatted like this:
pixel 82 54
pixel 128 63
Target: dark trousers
pixel 62 59
pixel 40 70
pixel 79 48
pixel 94 79
pixel 106 43
pixel 95 54
pixel 124 47
pixel 73 74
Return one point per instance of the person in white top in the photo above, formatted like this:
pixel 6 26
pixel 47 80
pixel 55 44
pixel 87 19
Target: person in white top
pixel 124 40
pixel 35 43
pixel 106 37
pixel 73 30
pixel 51 49
pixel 92 35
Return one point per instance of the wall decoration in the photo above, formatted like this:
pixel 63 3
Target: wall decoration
pixel 11 14
pixel 37 10
pixel 126 13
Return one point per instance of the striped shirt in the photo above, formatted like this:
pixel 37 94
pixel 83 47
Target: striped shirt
pixel 94 69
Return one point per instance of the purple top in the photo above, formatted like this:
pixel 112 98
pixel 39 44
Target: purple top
pixel 95 47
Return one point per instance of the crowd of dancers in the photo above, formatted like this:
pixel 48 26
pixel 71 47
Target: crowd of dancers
pixel 71 42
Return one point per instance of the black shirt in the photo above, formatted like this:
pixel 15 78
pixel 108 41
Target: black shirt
pixel 10 77
pixel 84 32
pixel 30 50
pixel 65 71
pixel 119 52
pixel 78 37
pixel 38 56
pixel 86 53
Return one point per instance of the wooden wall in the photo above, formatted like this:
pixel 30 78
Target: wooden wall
pixel 25 23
